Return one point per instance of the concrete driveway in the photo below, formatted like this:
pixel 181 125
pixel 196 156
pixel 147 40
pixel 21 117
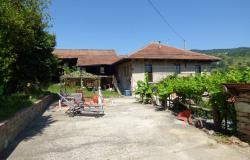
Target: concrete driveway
pixel 128 131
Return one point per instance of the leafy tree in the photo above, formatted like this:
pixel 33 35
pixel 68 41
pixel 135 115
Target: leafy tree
pixel 25 44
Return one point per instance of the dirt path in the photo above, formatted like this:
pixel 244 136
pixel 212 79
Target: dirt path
pixel 128 131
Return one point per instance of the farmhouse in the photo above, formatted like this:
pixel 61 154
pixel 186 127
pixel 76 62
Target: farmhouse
pixel 156 59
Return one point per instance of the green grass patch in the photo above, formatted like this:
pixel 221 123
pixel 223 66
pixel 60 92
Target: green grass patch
pixel 109 94
pixel 10 104
pixel 55 88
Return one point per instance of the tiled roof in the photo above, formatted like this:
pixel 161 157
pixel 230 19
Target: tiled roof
pixel 159 51
pixel 88 57
pixel 123 56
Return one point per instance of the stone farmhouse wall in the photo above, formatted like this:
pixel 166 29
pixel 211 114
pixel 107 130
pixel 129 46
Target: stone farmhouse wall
pixel 10 128
pixel 164 68
pixel 242 107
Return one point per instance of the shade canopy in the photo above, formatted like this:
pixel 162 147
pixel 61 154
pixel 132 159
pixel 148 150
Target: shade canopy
pixel 78 74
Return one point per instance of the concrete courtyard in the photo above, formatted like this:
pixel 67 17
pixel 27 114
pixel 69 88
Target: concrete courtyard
pixel 128 130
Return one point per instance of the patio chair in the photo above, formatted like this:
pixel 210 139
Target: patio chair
pixel 94 105
pixel 77 107
pixel 66 101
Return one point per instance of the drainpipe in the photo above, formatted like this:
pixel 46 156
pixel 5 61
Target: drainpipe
pixel 81 77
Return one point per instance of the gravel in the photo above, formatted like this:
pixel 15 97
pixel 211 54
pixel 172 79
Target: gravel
pixel 128 130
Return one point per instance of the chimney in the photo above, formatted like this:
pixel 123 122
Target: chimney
pixel 159 42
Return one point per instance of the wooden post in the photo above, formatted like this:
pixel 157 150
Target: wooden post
pixel 59 103
pixel 226 122
pixel 81 78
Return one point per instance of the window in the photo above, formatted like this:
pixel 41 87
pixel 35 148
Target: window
pixel 83 69
pixel 102 70
pixel 197 69
pixel 149 71
pixel 126 70
pixel 177 68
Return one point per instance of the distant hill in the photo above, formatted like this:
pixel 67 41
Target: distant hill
pixel 234 57
pixel 241 51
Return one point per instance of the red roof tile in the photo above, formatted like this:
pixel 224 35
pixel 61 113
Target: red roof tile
pixel 159 51
pixel 88 57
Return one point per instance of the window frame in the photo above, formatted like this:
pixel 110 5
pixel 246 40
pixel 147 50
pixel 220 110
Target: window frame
pixel 148 68
pixel 102 70
pixel 197 69
pixel 177 68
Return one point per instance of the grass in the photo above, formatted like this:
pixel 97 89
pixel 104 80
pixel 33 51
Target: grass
pixel 109 94
pixel 10 104
pixel 55 88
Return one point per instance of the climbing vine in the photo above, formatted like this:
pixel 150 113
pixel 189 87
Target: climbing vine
pixel 193 87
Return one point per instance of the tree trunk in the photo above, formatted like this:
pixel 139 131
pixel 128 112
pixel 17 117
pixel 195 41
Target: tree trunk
pixel 163 103
pixel 217 118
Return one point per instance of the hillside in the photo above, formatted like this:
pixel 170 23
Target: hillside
pixel 232 57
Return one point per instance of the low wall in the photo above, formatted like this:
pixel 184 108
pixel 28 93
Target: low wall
pixel 242 107
pixel 10 128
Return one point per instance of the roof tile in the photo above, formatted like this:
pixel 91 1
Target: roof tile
pixel 88 57
pixel 159 51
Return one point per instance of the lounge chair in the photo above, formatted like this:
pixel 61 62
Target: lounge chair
pixel 66 101
pixel 78 107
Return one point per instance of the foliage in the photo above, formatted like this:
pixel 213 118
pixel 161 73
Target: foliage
pixel 25 45
pixel 55 88
pixel 109 94
pixel 16 101
pixel 1 90
pixel 194 86
pixel 68 70
pixel 10 104
pixel 234 57
pixel 185 87
pixel 78 74
pixel 144 90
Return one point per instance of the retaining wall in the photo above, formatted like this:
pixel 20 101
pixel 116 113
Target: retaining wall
pixel 242 107
pixel 10 128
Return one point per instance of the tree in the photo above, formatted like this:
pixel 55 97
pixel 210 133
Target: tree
pixel 25 44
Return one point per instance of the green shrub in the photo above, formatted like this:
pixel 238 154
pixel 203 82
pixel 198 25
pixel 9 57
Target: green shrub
pixel 144 90
pixel 194 86
pixel 9 105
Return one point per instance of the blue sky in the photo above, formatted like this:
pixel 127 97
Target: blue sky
pixel 127 25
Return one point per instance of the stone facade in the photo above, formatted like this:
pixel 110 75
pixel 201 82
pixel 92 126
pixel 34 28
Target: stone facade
pixel 10 128
pixel 164 68
pixel 242 107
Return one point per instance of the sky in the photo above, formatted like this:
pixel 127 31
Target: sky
pixel 128 25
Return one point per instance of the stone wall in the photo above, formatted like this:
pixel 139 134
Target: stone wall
pixel 164 68
pixel 10 128
pixel 242 107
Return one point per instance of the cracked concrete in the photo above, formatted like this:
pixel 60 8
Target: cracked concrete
pixel 127 131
